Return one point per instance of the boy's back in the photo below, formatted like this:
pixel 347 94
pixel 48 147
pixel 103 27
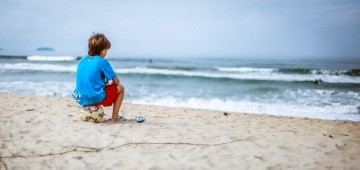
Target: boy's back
pixel 92 72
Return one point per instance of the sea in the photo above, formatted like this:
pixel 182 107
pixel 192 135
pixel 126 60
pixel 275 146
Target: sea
pixel 323 89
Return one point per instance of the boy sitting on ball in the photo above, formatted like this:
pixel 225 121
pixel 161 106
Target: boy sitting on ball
pixel 96 82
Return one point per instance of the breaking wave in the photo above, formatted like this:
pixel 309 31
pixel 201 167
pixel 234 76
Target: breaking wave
pixel 261 74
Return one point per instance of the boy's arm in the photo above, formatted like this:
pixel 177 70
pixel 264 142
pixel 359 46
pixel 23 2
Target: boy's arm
pixel 116 81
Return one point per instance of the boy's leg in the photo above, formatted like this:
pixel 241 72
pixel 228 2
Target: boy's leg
pixel 118 102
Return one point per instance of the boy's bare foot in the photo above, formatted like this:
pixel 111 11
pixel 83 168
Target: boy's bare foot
pixel 115 117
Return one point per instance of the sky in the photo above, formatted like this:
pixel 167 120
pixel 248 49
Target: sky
pixel 189 28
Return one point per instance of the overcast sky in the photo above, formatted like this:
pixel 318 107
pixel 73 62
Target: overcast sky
pixel 210 28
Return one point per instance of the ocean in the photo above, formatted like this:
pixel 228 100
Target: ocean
pixel 275 87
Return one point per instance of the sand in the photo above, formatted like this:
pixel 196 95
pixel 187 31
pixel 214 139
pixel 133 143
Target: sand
pixel 38 132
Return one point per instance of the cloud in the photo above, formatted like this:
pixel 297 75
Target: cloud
pixel 175 28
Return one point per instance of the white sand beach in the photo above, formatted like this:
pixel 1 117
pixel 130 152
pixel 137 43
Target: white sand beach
pixel 38 132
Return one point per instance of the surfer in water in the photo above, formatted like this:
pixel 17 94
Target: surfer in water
pixel 318 81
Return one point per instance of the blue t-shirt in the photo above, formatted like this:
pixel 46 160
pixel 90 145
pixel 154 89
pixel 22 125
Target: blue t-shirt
pixel 92 72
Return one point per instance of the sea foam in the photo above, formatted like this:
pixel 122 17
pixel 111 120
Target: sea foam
pixel 331 112
pixel 246 74
pixel 38 67
pixel 51 58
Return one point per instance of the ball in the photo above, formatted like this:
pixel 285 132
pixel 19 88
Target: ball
pixel 92 113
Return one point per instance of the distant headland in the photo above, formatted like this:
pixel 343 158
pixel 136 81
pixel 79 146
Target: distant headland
pixel 45 49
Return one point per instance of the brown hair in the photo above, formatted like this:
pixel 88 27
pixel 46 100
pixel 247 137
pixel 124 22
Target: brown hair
pixel 97 43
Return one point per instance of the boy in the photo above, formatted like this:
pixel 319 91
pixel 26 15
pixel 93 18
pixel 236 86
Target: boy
pixel 96 81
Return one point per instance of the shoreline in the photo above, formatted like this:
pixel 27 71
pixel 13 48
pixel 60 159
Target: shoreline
pixel 47 132
pixel 199 108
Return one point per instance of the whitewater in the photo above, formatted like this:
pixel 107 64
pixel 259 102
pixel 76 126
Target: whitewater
pixel 252 86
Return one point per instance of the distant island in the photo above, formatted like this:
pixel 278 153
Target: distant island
pixel 45 49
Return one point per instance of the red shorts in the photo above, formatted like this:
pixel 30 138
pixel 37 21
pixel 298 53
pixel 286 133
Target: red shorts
pixel 111 96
